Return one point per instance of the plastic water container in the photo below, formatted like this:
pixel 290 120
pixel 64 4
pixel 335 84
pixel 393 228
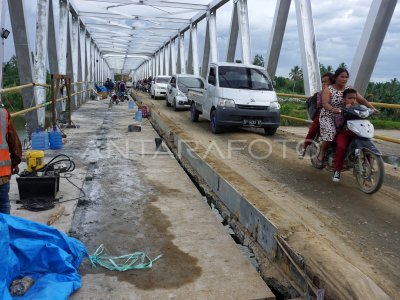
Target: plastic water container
pixel 131 104
pixel 40 140
pixel 55 138
pixel 138 116
pixel 46 138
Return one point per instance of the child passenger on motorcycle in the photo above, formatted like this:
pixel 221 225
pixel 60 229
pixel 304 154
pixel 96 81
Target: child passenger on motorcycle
pixel 326 80
pixel 343 135
pixel 332 101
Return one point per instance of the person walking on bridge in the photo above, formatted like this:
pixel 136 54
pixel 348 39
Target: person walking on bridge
pixel 10 157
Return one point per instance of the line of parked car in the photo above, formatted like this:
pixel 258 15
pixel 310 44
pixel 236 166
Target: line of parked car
pixel 233 95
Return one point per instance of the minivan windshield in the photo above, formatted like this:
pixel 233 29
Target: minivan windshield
pixel 162 79
pixel 184 83
pixel 234 77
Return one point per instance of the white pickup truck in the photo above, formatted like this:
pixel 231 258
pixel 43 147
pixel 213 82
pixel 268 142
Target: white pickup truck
pixel 236 95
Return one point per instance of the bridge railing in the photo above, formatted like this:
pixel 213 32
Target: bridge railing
pixel 305 121
pixel 375 104
pixel 29 85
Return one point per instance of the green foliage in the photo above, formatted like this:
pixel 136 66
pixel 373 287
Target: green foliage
pixel 10 75
pixel 12 101
pixel 296 73
pixel 297 110
pixel 117 77
pixel 286 85
pixel 293 109
pixel 385 124
pixel 328 69
pixel 388 92
pixel 258 60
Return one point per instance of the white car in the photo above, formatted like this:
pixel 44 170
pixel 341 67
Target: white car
pixel 178 87
pixel 159 86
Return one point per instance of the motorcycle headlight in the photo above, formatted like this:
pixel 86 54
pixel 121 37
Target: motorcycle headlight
pixel 363 113
pixel 226 102
pixel 275 105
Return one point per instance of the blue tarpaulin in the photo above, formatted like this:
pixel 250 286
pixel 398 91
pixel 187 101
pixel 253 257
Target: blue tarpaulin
pixel 41 252
pixel 100 88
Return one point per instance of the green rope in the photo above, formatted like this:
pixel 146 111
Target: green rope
pixel 137 260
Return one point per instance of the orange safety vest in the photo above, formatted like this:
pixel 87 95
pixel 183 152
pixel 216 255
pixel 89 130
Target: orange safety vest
pixel 5 161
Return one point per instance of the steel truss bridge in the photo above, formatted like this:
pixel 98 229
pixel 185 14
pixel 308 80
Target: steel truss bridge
pixel 91 40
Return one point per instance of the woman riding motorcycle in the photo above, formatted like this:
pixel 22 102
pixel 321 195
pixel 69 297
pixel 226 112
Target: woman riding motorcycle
pixel 330 117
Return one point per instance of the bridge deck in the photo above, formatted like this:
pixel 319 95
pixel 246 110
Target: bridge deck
pixel 138 199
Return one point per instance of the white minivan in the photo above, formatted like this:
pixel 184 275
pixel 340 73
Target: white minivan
pixel 159 86
pixel 236 95
pixel 178 88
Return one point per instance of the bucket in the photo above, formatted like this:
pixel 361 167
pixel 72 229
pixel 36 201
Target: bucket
pixel 55 138
pixel 40 140
pixel 131 104
pixel 138 116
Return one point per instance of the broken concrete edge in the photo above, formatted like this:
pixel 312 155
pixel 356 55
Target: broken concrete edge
pixel 244 218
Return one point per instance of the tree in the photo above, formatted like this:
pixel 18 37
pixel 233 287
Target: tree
pixel 296 74
pixel 12 101
pixel 10 75
pixel 323 70
pixel 258 60
pixel 342 65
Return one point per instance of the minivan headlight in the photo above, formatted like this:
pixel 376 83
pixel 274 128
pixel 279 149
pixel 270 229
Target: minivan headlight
pixel 226 102
pixel 275 105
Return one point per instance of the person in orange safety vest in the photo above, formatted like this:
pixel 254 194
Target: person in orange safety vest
pixel 10 157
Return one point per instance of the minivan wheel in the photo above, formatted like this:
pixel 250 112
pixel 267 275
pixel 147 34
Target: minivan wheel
pixel 215 128
pixel 270 130
pixel 194 113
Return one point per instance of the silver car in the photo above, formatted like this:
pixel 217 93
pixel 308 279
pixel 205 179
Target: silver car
pixel 178 88
pixel 159 86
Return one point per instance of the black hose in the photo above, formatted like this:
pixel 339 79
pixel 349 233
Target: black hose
pixel 50 165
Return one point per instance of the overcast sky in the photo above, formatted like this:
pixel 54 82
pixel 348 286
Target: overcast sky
pixel 338 26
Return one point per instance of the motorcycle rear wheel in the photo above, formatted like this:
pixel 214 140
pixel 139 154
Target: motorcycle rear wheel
pixel 314 152
pixel 370 176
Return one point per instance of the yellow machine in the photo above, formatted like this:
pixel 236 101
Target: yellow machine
pixel 34 160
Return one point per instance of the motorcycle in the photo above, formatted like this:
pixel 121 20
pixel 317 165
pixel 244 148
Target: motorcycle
pixel 362 156
pixel 122 96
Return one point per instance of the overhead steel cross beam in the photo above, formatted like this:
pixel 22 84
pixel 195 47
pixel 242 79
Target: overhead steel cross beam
pixel 160 3
pixel 115 16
